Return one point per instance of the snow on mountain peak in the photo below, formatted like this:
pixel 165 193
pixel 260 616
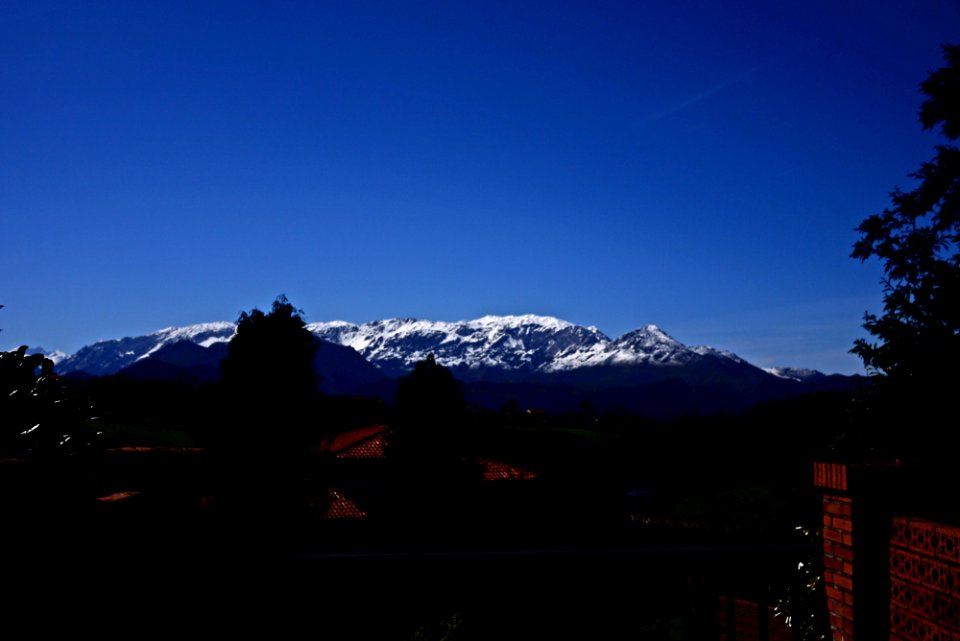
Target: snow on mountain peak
pixel 204 334
pixel 504 346
pixel 799 374
pixel 56 356
pixel 513 322
pixel 510 343
pixel 192 331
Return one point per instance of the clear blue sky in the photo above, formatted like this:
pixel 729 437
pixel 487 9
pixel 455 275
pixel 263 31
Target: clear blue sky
pixel 697 165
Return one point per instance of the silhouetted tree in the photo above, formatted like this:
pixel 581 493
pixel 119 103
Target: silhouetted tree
pixel 270 391
pixel 429 425
pixel 917 239
pixel 271 357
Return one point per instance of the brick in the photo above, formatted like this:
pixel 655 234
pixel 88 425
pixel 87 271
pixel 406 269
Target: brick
pixel 947 612
pixel 837 505
pixel 937 575
pixel 833 535
pixel 949 543
pixel 938 633
pixel 844 524
pixel 842 581
pixel 834 593
pixel 848 568
pixel 900 531
pixel 848 598
pixel 831 475
pixel 897 620
pixel 923 537
pixel 847 538
pixel 914 599
pixel 833 563
pixel 910 626
pixel 848 629
pixel 923 570
pixel 905 565
pixel 827 520
pixel 844 552
pixel 836 621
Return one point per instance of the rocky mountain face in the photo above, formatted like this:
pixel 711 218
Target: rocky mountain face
pixel 519 348
pixel 552 362
pixel 492 347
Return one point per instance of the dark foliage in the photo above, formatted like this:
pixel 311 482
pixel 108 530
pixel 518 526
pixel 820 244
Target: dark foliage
pixel 428 411
pixel 917 238
pixel 270 411
pixel 272 356
pixel 430 439
pixel 38 414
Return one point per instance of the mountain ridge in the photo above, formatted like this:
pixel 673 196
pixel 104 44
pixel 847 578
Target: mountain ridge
pixel 515 346
pixel 539 361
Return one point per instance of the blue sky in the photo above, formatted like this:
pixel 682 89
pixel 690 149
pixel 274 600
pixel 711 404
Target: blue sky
pixel 696 165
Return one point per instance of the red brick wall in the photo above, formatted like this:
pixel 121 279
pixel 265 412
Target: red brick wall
pixel 838 557
pixel 924 581
pixel 746 622
pixel 838 564
pixel 906 571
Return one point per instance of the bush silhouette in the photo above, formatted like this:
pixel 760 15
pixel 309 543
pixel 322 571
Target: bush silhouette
pixel 38 415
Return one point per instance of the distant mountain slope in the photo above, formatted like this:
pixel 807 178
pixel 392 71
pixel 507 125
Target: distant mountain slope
pixel 111 356
pixel 341 369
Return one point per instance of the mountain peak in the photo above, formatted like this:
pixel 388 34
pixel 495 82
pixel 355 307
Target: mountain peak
pixel 514 321
pixel 648 337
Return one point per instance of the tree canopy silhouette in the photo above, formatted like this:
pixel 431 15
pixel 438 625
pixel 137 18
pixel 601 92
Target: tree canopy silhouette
pixel 271 403
pixel 272 355
pixel 917 238
pixel 429 423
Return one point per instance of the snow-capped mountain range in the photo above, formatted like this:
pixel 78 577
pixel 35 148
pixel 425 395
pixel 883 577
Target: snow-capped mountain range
pixel 538 361
pixel 492 347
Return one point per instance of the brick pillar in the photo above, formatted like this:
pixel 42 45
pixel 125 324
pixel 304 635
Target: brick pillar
pixel 858 500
